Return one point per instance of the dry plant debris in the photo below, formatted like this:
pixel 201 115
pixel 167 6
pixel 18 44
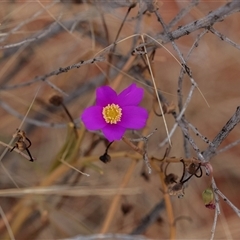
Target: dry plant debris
pixel 169 138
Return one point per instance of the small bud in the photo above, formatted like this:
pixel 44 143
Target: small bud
pixel 126 208
pixel 56 100
pixel 170 179
pixel 105 158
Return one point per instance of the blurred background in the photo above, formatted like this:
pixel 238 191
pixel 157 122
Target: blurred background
pixel 38 38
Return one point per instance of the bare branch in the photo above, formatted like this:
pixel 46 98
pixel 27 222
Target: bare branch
pixel 150 218
pixel 53 73
pixel 229 146
pixel 225 199
pixel 28 40
pixel 212 18
pixel 224 38
pixel 182 13
pixel 21 24
pixel 233 121
pixel 217 211
pixel 205 22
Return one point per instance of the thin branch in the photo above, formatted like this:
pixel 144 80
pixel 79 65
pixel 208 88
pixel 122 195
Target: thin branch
pixel 3 216
pixel 54 31
pixel 179 90
pixel 184 64
pixel 190 140
pixel 28 40
pixel 53 73
pixel 205 139
pixel 229 126
pixel 205 22
pixel 224 38
pixel 35 122
pixel 145 149
pixel 217 210
pixel 150 218
pixel 28 20
pixel 180 79
pixel 179 116
pixel 225 199
pixel 182 13
pixel 229 146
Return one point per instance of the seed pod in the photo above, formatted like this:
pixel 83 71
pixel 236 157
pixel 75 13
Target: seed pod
pixel 21 146
pixel 176 189
pixel 170 179
pixel 192 169
pixel 208 198
pixel 56 100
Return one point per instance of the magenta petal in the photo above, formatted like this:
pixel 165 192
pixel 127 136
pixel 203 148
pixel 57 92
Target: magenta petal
pixel 113 132
pixel 105 95
pixel 92 118
pixel 130 96
pixel 133 117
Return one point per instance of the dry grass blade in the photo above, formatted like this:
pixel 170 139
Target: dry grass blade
pixel 68 191
pixel 7 224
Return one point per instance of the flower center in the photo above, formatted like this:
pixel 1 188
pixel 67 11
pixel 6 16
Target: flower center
pixel 112 113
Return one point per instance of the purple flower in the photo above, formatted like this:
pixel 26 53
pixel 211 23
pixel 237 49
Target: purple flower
pixel 113 113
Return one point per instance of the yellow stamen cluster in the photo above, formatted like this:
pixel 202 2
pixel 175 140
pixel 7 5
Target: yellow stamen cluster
pixel 112 113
